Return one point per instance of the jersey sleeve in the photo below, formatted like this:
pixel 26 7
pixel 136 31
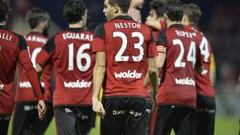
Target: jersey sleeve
pixel 161 42
pixel 46 52
pixel 152 50
pixel 98 44
pixel 30 73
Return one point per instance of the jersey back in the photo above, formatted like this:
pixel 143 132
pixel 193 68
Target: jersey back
pixel 73 62
pixel 178 85
pixel 35 42
pixel 127 44
pixel 203 81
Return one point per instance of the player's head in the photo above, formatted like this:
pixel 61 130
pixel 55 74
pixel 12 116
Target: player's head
pixel 38 19
pixel 155 17
pixel 113 8
pixel 75 11
pixel 4 9
pixel 173 13
pixel 191 14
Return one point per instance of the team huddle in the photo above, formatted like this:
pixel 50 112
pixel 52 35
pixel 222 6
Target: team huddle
pixel 141 79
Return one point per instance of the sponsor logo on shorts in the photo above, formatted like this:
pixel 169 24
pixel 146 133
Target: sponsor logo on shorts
pixel 129 74
pixel 67 110
pixel 118 112
pixel 135 114
pixel 185 81
pixel 77 84
pixel 29 107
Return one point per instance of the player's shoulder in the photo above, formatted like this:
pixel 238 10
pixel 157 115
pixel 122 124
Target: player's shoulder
pixel 11 35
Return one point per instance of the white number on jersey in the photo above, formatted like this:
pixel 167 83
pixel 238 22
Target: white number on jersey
pixel 191 56
pixel 119 57
pixel 35 52
pixel 204 49
pixel 80 55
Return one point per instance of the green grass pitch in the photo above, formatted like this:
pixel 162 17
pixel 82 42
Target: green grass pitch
pixel 223 126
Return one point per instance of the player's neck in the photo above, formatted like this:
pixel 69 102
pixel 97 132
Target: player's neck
pixel 121 14
pixel 170 23
pixel 37 30
pixel 76 25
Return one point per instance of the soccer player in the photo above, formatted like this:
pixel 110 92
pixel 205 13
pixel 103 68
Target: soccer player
pixel 73 62
pixel 125 52
pixel 154 19
pixel 25 120
pixel 176 98
pixel 206 106
pixel 13 49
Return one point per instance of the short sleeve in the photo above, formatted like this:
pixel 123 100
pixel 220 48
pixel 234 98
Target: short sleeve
pixel 152 50
pixel 98 44
pixel 22 43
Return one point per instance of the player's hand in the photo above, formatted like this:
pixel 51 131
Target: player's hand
pixel 41 109
pixel 98 107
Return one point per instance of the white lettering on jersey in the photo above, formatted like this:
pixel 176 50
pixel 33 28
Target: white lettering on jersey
pixel 5 36
pixel 185 81
pixel 79 36
pixel 129 74
pixel 37 39
pixel 127 25
pixel 77 84
pixel 27 84
pixel 185 34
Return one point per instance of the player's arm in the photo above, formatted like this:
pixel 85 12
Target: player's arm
pixel 98 76
pixel 161 50
pixel 98 47
pixel 44 55
pixel 212 68
pixel 152 65
pixel 31 74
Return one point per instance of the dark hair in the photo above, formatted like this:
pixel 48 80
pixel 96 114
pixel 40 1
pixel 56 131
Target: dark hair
pixel 193 12
pixel 74 10
pixel 174 11
pixel 123 4
pixel 35 16
pixel 4 9
pixel 158 6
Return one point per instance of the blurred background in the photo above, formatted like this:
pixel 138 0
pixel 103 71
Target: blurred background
pixel 220 22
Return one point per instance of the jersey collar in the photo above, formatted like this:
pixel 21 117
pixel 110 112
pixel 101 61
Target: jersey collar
pixel 177 26
pixel 76 29
pixel 125 17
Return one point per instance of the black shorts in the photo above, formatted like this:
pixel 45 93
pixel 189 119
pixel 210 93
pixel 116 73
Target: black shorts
pixel 123 116
pixel 26 121
pixel 4 123
pixel 206 110
pixel 181 119
pixel 73 120
pixel 145 123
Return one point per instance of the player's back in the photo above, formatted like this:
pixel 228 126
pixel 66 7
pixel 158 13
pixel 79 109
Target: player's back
pixel 178 84
pixel 9 51
pixel 35 41
pixel 203 81
pixel 128 45
pixel 73 64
